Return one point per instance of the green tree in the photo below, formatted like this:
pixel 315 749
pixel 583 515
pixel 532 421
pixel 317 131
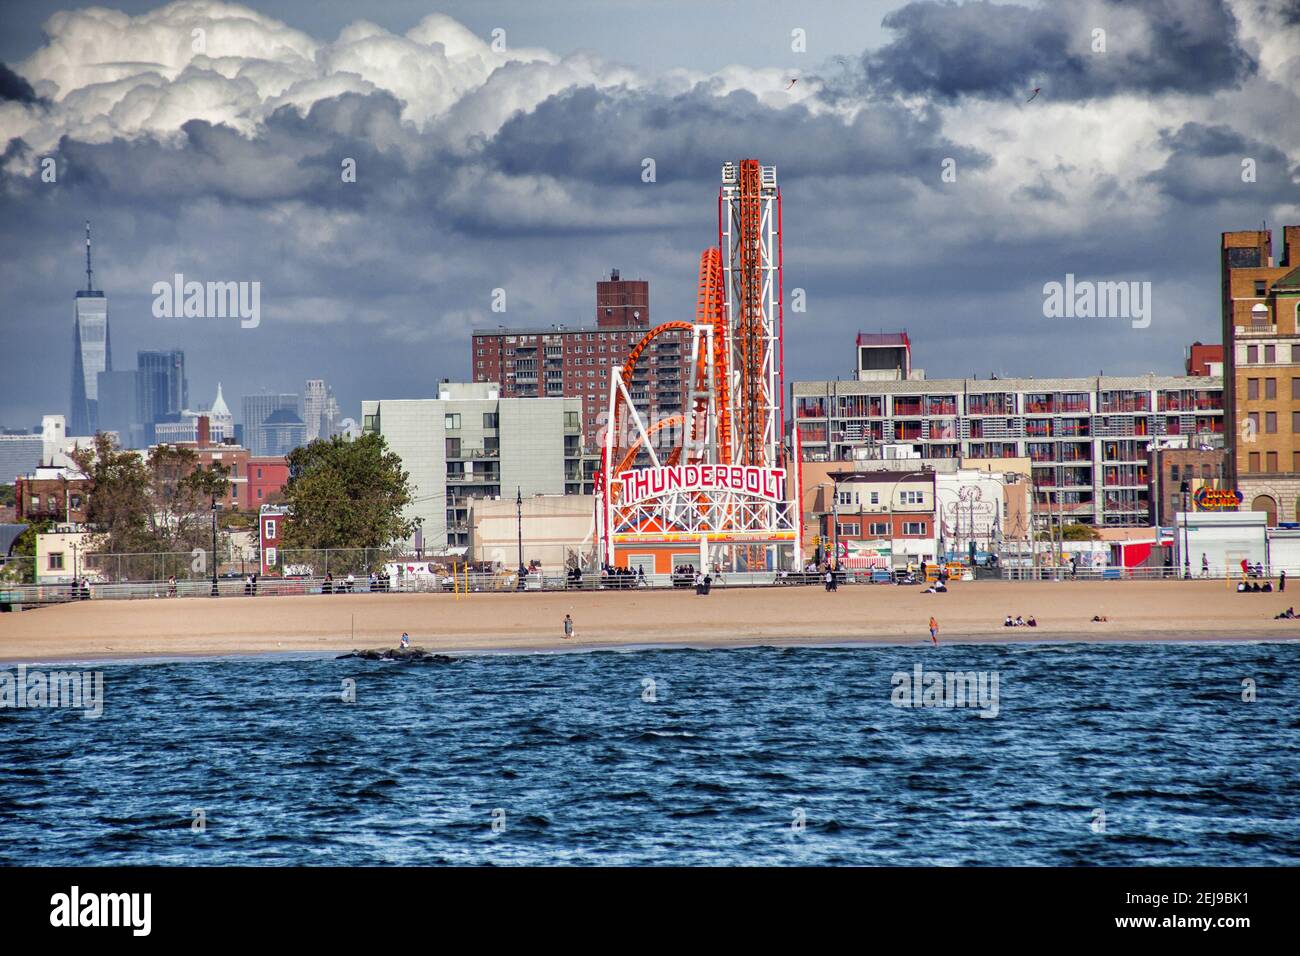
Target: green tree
pixel 119 503
pixel 22 568
pixel 148 507
pixel 346 495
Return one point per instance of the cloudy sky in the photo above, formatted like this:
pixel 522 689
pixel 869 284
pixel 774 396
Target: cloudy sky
pixel 501 145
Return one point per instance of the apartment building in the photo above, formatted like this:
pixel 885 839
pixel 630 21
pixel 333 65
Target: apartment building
pixel 1086 438
pixel 472 442
pixel 563 362
pixel 1261 355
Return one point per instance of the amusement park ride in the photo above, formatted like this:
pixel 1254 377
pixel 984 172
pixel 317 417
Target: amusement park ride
pixel 719 488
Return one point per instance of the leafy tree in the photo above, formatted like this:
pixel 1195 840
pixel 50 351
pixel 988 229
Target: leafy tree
pixel 1080 532
pixel 118 506
pixel 23 569
pixel 346 494
pixel 7 496
pixel 146 507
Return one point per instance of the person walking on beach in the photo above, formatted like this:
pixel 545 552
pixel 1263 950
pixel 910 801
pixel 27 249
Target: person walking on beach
pixel 568 627
pixel 1205 565
pixel 934 631
pixel 1281 581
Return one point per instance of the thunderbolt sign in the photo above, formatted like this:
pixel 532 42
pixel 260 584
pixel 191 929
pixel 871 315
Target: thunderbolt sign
pixel 753 480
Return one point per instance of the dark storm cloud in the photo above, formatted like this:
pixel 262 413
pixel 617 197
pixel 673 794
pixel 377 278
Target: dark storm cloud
pixel 14 88
pixel 983 49
pixel 602 138
pixel 292 157
pixel 1206 164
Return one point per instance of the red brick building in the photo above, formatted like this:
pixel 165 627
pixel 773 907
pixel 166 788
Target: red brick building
pixel 56 494
pixel 1201 359
pixel 576 362
pixel 266 478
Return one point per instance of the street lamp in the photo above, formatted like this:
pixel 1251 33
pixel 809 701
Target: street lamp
pixel 519 530
pixel 1187 558
pixel 214 545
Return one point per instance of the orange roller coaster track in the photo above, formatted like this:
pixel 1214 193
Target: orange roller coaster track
pixel 710 310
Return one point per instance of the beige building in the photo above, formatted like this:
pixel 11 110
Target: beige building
pixel 61 557
pixel 1261 338
pixel 556 530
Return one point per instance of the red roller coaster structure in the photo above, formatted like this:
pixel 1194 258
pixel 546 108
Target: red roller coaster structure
pixel 711 470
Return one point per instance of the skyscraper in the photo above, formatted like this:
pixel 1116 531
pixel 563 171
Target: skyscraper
pixel 90 352
pixel 320 410
pixel 162 389
pixel 257 409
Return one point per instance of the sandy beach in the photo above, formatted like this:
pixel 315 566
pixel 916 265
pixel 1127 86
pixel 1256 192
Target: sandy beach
pixel 971 611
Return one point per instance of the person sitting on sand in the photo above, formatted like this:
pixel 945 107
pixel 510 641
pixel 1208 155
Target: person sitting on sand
pixel 1241 586
pixel 1032 622
pixel 1008 622
pixel 406 640
pixel 1286 615
pixel 1020 621
pixel 1100 618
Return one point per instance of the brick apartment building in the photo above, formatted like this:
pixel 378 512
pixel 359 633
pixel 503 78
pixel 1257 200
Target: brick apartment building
pixel 562 362
pixel 1086 438
pixel 51 494
pixel 1261 354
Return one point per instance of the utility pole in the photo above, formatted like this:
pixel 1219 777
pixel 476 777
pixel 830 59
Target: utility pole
pixel 519 530
pixel 835 520
pixel 214 546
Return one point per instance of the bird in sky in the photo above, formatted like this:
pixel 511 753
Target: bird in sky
pixel 792 83
pixel 1037 90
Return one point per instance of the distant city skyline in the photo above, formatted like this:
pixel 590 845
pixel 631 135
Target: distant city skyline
pixel 395 183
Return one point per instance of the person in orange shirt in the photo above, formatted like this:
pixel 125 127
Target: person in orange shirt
pixel 934 631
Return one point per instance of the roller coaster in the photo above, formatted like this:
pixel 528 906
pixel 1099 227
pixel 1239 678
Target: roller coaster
pixel 705 478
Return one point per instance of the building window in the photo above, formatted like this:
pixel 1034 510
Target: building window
pixel 912 497
pixel 1261 288
pixel 1254 422
pixel 914 527
pixel 56 561
pixel 1295 388
pixel 1270 423
pixel 1271 461
pixel 846 497
pixel 259 494
pixel 1253 461
pixel 881 528
pixel 1295 422
pixel 452 421
pixel 75 502
pixel 491 443
pixel 1270 387
pixel 1173 472
pixel 1270 353
pixel 453 447
pixel 875 497
pixel 848 529
pixel 1252 388
pixel 490 420
pixel 572 419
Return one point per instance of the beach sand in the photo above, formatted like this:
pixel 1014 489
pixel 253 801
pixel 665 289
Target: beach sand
pixel 969 612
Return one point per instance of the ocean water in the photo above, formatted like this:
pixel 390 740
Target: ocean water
pixel 1098 754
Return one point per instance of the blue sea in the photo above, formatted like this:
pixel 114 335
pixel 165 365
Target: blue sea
pixel 1098 755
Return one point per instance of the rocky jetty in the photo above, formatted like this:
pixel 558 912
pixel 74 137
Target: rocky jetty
pixel 398 654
